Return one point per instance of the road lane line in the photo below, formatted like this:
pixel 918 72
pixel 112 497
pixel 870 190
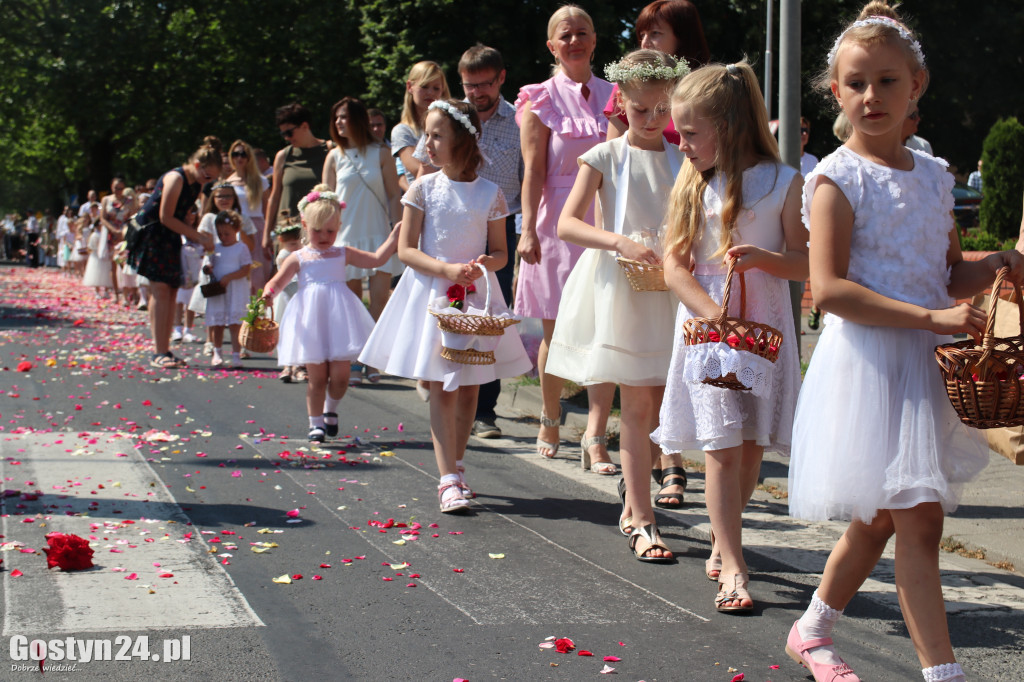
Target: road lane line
pixel 136 523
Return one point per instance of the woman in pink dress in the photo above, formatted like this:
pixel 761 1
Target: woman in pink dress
pixel 560 119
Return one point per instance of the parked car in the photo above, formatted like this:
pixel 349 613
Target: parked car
pixel 966 204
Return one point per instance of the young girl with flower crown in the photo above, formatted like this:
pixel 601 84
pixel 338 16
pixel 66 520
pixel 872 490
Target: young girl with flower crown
pixel 229 263
pixel 876 441
pixel 451 220
pixel 733 200
pixel 605 331
pixel 325 325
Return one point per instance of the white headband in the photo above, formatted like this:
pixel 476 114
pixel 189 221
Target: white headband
pixel 454 113
pixel 915 46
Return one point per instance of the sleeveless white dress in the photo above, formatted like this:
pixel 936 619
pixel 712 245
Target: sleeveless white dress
pixel 99 267
pixel 324 321
pixel 697 416
pixel 874 427
pixel 406 341
pixel 364 220
pixel 605 331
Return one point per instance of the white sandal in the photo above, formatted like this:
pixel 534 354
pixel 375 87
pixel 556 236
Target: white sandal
pixel 451 499
pixel 603 468
pixel 466 491
pixel 543 445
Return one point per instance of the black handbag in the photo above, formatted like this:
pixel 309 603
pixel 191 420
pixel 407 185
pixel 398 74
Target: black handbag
pixel 133 232
pixel 212 288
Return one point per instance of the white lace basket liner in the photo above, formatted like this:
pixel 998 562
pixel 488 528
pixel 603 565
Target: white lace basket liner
pixel 731 352
pixel 469 336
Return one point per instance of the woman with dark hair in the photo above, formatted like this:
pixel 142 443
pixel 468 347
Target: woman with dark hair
pixel 297 168
pixel 363 175
pixel 156 249
pixel 672 27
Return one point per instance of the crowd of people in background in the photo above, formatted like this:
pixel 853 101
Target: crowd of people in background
pixel 681 159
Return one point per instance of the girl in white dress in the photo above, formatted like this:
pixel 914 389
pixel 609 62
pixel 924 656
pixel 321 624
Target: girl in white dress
pixel 733 200
pixel 99 265
pixel 325 325
pixel 363 175
pixel 605 331
pixel 876 441
pixel 229 264
pixel 289 241
pixel 450 219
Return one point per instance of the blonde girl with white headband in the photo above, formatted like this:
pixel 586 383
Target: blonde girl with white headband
pixel 876 442
pixel 325 325
pixel 452 220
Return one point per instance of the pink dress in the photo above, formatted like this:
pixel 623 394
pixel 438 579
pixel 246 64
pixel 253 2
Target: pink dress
pixel 576 125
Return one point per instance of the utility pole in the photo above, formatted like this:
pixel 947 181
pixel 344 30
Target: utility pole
pixel 789 112
pixel 769 59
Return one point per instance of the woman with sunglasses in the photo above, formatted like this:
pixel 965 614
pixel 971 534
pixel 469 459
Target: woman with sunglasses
pixel 251 188
pixel 156 250
pixel 297 168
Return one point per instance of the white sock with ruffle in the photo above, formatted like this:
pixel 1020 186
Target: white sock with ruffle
pixel 947 672
pixel 817 622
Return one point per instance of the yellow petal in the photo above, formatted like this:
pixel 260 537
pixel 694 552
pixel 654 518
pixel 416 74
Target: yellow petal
pixel 283 580
pixel 496 556
pixel 398 542
pixel 387 453
pixel 400 566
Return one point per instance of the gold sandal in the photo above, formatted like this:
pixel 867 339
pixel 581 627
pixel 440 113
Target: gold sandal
pixel 738 594
pixel 602 468
pixel 645 538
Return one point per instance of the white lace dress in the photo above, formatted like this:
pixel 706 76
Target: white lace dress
pixel 696 416
pixel 99 267
pixel 874 428
pixel 406 341
pixel 324 321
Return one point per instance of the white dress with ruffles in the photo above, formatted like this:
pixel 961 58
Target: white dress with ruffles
pixel 406 341
pixel 698 416
pixel 874 428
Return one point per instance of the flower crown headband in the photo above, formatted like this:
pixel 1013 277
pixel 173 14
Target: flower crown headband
pixel 315 196
pixel 454 113
pixel 624 72
pixel 915 46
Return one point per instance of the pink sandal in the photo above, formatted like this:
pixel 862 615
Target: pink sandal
pixel 797 649
pixel 451 499
pixel 466 491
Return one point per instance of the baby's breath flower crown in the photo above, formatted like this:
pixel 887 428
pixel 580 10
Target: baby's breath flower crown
pixel 320 196
pixel 454 113
pixel 625 72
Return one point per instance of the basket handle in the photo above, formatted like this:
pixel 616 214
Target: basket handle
pixel 988 341
pixel 487 284
pixel 743 294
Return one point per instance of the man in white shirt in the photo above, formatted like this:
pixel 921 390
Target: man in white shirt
pixel 910 138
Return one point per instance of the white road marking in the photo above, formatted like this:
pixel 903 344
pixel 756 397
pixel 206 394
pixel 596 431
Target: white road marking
pixel 69 468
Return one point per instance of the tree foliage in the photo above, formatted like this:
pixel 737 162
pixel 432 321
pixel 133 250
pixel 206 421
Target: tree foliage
pixel 94 87
pixel 1004 178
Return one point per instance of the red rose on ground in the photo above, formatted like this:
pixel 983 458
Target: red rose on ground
pixel 564 645
pixel 69 552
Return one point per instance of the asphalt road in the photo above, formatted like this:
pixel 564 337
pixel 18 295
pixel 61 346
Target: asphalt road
pixel 539 557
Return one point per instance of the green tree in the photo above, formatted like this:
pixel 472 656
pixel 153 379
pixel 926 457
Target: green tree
pixel 1004 178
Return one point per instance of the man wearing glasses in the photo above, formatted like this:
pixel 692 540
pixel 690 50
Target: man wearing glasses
pixel 910 137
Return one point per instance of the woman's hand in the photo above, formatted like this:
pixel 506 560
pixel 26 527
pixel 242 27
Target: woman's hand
pixel 529 247
pixel 206 240
pixel 748 257
pixel 1011 259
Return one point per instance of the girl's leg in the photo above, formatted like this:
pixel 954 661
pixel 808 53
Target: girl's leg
pixel 639 405
pixel 337 383
pixel 218 340
pixel 551 394
pixel 316 389
pixel 356 287
pixel 380 289
pixel 445 427
pixel 849 565
pixel 599 401
pixel 236 345
pixel 918 585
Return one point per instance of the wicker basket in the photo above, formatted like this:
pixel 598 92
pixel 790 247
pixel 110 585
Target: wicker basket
pixel 643 276
pixel 985 383
pixel 261 339
pixel 742 335
pixel 470 339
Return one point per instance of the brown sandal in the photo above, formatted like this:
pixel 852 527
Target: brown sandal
pixel 737 595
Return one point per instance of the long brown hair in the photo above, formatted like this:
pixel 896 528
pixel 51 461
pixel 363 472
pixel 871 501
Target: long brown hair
pixel 729 96
pixel 357 133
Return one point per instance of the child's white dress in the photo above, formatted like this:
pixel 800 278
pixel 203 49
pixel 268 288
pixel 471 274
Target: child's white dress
pixel 289 290
pixel 605 331
pixel 99 267
pixel 874 427
pixel 208 225
pixel 406 341
pixel 324 321
pixel 191 267
pixel 229 308
pixel 697 416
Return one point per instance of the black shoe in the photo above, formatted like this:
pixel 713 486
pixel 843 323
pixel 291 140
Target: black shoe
pixel 331 429
pixel 484 427
pixel 316 435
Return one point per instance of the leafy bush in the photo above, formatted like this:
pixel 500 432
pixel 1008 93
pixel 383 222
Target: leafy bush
pixel 979 240
pixel 1003 154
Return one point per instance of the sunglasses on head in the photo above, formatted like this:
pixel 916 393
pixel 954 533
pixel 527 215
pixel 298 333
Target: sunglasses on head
pixel 288 133
pixel 239 154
